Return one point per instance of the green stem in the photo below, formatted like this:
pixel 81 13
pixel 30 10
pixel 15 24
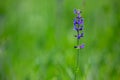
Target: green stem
pixel 77 60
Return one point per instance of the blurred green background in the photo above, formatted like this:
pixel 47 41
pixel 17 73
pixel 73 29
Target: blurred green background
pixel 36 40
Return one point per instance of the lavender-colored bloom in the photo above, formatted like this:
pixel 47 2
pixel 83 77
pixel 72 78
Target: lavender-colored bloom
pixel 78 17
pixel 75 11
pixel 78 26
pixel 75 24
pixel 79 36
pixel 80 21
pixel 75 28
pixel 81 46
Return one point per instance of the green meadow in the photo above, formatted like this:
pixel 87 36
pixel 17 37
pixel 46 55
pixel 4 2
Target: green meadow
pixel 37 40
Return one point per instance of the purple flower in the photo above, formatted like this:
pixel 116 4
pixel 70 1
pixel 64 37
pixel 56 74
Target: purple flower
pixel 75 28
pixel 75 24
pixel 80 21
pixel 78 26
pixel 79 36
pixel 81 46
pixel 75 11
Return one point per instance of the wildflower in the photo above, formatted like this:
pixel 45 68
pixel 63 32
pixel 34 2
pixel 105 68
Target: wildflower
pixel 78 26
pixel 80 46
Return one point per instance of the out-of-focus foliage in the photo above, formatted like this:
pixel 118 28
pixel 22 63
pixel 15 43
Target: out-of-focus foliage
pixel 36 40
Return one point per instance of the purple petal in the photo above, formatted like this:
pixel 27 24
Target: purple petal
pixel 75 28
pixel 79 36
pixel 75 11
pixel 78 17
pixel 79 21
pixel 82 21
pixel 75 22
pixel 82 46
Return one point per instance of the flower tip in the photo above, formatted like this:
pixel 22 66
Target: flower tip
pixel 75 11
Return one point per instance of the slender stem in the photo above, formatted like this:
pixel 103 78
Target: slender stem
pixel 77 59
